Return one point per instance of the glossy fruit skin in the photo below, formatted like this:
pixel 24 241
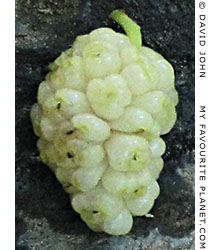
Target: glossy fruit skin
pixel 100 113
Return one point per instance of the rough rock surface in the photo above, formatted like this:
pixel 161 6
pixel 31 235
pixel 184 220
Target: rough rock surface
pixel 44 217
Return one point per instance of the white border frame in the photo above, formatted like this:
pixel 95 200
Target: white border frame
pixel 202 124
pixel 7 138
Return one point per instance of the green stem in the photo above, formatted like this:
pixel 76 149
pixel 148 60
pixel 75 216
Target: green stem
pixel 131 28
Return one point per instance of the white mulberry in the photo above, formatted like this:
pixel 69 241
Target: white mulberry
pixel 100 113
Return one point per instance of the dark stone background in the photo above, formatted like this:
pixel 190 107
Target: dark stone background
pixel 44 217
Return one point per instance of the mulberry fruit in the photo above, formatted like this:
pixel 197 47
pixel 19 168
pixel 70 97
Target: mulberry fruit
pixel 100 113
